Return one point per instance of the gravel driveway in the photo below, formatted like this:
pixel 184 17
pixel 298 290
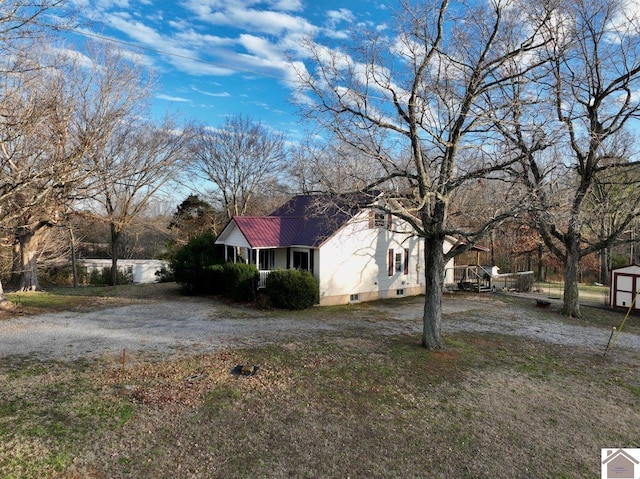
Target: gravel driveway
pixel 189 324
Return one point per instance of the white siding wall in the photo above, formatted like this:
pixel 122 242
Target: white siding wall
pixel 143 270
pixel 281 258
pixel 448 268
pixel 355 261
pixel 236 238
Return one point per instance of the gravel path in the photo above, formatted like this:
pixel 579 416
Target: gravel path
pixel 203 326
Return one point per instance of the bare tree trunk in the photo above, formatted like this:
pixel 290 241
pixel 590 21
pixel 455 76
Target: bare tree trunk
pixel 115 246
pixel 15 264
pixel 28 273
pixel 604 265
pixel 434 277
pixel 2 297
pixel 74 262
pixel 541 275
pixel 571 303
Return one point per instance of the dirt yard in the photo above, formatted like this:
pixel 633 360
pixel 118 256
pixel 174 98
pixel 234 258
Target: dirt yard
pixel 206 325
pixel 147 390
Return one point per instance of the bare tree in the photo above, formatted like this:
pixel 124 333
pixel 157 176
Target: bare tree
pixel 128 171
pixel 31 100
pixel 39 160
pixel 316 167
pixel 240 159
pixel 579 112
pixel 415 101
pixel 611 201
pixel 56 116
pixel 21 21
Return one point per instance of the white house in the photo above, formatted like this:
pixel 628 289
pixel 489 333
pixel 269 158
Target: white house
pixel 625 287
pixel 355 254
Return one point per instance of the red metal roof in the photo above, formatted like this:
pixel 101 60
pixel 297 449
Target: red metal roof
pixel 305 220
pixel 268 231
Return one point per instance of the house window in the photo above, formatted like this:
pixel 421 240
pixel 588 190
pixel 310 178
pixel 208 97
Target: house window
pixel 301 260
pixel 399 292
pixel 266 259
pixel 354 297
pixel 390 262
pixel 398 262
pixel 379 219
pixel 406 261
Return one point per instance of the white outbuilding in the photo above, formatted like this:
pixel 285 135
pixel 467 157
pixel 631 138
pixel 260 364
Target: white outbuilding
pixel 625 286
pixel 141 270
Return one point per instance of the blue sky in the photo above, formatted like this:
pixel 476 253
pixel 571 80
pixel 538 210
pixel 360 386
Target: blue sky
pixel 215 58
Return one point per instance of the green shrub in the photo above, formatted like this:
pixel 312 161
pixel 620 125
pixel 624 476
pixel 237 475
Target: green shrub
pixel 61 275
pixel 165 275
pixel 241 281
pixel 215 279
pixel 102 277
pixel 292 289
pixel 193 265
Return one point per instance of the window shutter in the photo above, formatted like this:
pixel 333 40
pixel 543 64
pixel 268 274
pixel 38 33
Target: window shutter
pixel 406 261
pixel 372 217
pixel 389 220
pixel 391 265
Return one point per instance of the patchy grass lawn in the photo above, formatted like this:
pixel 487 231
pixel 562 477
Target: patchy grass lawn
pixel 589 294
pixel 350 404
pixel 84 298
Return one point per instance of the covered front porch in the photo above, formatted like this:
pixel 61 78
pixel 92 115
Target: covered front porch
pixel 271 259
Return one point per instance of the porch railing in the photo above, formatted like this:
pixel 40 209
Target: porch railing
pixel 262 281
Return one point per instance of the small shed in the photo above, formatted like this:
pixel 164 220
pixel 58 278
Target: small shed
pixel 625 284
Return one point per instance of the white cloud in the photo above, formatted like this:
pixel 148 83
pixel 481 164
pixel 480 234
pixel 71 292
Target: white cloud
pixel 334 24
pixel 288 5
pixel 107 4
pixel 176 99
pixel 241 15
pixel 341 15
pixel 195 39
pixel 80 58
pixel 628 14
pixel 260 46
pixel 223 94
pixel 220 37
pixel 185 59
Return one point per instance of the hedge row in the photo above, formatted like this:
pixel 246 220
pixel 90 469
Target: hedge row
pixel 198 268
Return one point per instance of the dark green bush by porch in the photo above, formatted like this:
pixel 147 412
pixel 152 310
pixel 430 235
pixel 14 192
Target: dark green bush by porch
pixel 194 265
pixel 292 289
pixel 241 281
